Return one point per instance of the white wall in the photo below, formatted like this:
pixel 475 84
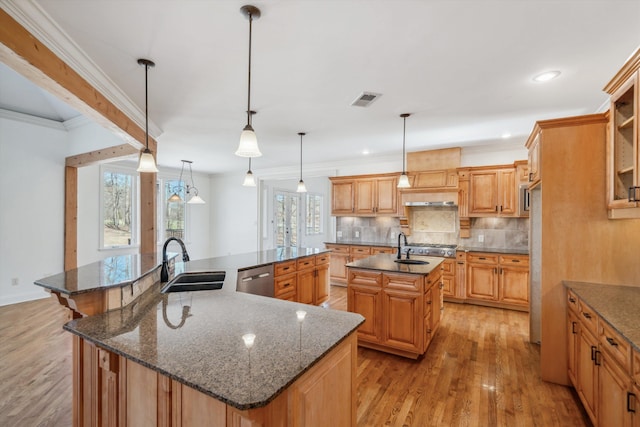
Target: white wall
pixel 32 156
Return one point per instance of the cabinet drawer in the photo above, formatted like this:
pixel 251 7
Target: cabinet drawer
pixel 515 260
pixel 322 259
pixel 284 268
pixel 428 302
pixel 588 318
pixel 461 256
pixel 365 250
pixel 448 267
pixel 572 302
pixel 480 258
pixel 614 343
pixel 434 277
pixel 403 282
pixel 340 249
pixel 382 250
pixel 285 284
pixel 365 277
pixel 306 262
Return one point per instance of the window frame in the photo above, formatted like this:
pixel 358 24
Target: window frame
pixel 135 202
pixel 320 226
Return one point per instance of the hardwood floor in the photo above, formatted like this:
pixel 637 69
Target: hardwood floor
pixel 479 371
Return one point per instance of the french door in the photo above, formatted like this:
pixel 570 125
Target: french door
pixel 286 213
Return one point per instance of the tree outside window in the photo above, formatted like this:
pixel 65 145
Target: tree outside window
pixel 117 209
pixel 174 214
pixel 314 214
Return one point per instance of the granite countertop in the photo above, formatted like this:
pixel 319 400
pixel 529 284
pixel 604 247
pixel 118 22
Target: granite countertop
pixel 386 262
pixel 196 337
pixel 494 250
pixel 125 269
pixel 361 243
pixel 617 305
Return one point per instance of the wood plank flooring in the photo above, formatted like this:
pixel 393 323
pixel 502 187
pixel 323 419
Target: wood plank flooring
pixel 479 371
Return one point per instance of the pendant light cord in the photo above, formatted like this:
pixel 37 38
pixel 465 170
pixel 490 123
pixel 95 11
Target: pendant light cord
pixel 404 129
pixel 301 157
pixel 146 104
pixel 249 74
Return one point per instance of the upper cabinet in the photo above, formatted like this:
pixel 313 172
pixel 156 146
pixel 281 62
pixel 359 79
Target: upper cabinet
pixel 492 192
pixel 623 155
pixel 533 145
pixel 364 195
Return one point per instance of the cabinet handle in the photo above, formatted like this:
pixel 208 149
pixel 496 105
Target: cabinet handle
pixel 460 263
pixel 593 352
pixel 612 342
pixel 441 285
pixel 285 268
pixel 496 208
pixel 429 302
pixel 572 300
pixel 586 315
pixel 501 270
pixel 629 396
pixel 482 257
pixel 500 208
pixel 633 194
pixel 530 176
pixel 597 358
pixel 495 270
pixel 573 328
pixel 515 260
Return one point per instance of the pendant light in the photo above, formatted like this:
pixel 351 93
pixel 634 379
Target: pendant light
pixel 249 180
pixel 403 182
pixel 248 146
pixel 146 163
pixel 175 197
pixel 196 199
pixel 301 187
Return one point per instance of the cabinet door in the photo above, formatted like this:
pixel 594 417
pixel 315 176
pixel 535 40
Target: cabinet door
pixel 534 160
pixel 321 288
pixel 573 330
pixel 305 280
pixel 507 192
pixel 448 277
pixel 338 269
pixel 514 285
pixel 483 192
pixel 461 275
pixel 342 197
pixel 367 301
pixel 482 281
pixel 634 402
pixel 613 386
pixel 387 196
pixel 402 314
pixel 587 372
pixel 365 196
pixel 436 306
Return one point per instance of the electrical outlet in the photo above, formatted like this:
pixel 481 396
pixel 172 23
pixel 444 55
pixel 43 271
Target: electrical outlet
pixel 357 234
pixel 339 233
pixel 480 238
pixel 15 281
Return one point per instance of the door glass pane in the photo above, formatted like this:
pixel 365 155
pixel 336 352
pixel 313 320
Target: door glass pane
pixel 174 215
pixel 117 208
pixel 286 218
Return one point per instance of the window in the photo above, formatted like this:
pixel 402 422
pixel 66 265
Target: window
pixel 119 199
pixel 314 214
pixel 174 210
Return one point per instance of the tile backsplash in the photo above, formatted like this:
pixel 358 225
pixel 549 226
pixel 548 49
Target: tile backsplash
pixel 497 233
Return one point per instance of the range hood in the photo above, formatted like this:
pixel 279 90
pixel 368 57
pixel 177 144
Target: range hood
pixel 431 203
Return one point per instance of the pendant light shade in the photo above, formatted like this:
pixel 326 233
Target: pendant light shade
pixel 195 199
pixel 248 146
pixel 403 181
pixel 301 187
pixel 146 163
pixel 249 180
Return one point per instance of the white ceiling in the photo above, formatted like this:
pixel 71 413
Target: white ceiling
pixel 462 68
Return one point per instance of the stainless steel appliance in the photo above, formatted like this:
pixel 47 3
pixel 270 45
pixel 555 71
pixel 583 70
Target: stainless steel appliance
pixel 257 281
pixel 430 249
pixel 524 200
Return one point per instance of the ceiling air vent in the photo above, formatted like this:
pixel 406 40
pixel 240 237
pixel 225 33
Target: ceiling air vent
pixel 365 99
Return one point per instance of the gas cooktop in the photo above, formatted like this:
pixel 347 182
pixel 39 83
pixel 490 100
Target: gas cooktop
pixel 431 249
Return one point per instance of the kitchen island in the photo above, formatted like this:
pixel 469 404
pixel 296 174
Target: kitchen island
pixel 402 303
pixel 215 357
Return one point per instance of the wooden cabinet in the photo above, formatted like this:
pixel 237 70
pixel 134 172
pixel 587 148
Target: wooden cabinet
pixel 111 390
pixel 492 192
pixel 304 280
pixel 500 279
pixel 359 252
pixel 600 367
pixel 402 311
pixel 364 195
pixel 344 254
pixel 449 277
pixel 623 156
pixel 533 147
pixel 435 179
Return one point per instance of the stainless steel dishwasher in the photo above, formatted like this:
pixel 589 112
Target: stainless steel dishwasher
pixel 257 281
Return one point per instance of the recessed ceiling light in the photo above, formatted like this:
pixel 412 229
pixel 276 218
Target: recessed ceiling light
pixel 506 135
pixel 365 152
pixel 546 76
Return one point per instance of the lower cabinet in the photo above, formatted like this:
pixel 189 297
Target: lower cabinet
pixel 449 277
pixel 110 390
pixel 342 254
pixel 402 311
pixel 304 280
pixel 600 368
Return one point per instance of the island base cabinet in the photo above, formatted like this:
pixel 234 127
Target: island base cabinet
pixel 110 390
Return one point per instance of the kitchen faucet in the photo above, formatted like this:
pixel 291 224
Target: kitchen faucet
pixel 400 247
pixel 164 272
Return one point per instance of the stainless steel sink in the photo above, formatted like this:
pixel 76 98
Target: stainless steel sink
pixel 195 281
pixel 410 261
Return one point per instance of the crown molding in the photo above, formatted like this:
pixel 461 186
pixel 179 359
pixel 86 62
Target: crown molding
pixel 32 120
pixel 76 122
pixel 35 20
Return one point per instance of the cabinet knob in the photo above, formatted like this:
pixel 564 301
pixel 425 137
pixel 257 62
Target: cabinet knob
pixel 586 315
pixel 612 342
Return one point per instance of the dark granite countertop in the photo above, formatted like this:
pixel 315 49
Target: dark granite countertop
pixel 361 243
pixel 494 250
pixel 386 262
pixel 196 338
pixel 125 269
pixel 617 305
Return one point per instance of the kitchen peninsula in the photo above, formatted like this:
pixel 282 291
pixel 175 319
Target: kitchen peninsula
pixel 216 357
pixel 402 303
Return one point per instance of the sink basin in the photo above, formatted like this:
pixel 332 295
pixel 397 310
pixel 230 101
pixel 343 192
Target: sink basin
pixel 196 281
pixel 411 261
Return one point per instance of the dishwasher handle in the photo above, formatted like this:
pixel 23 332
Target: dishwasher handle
pixel 255 277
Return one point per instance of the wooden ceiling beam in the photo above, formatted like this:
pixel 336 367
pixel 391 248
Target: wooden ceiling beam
pixel 101 156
